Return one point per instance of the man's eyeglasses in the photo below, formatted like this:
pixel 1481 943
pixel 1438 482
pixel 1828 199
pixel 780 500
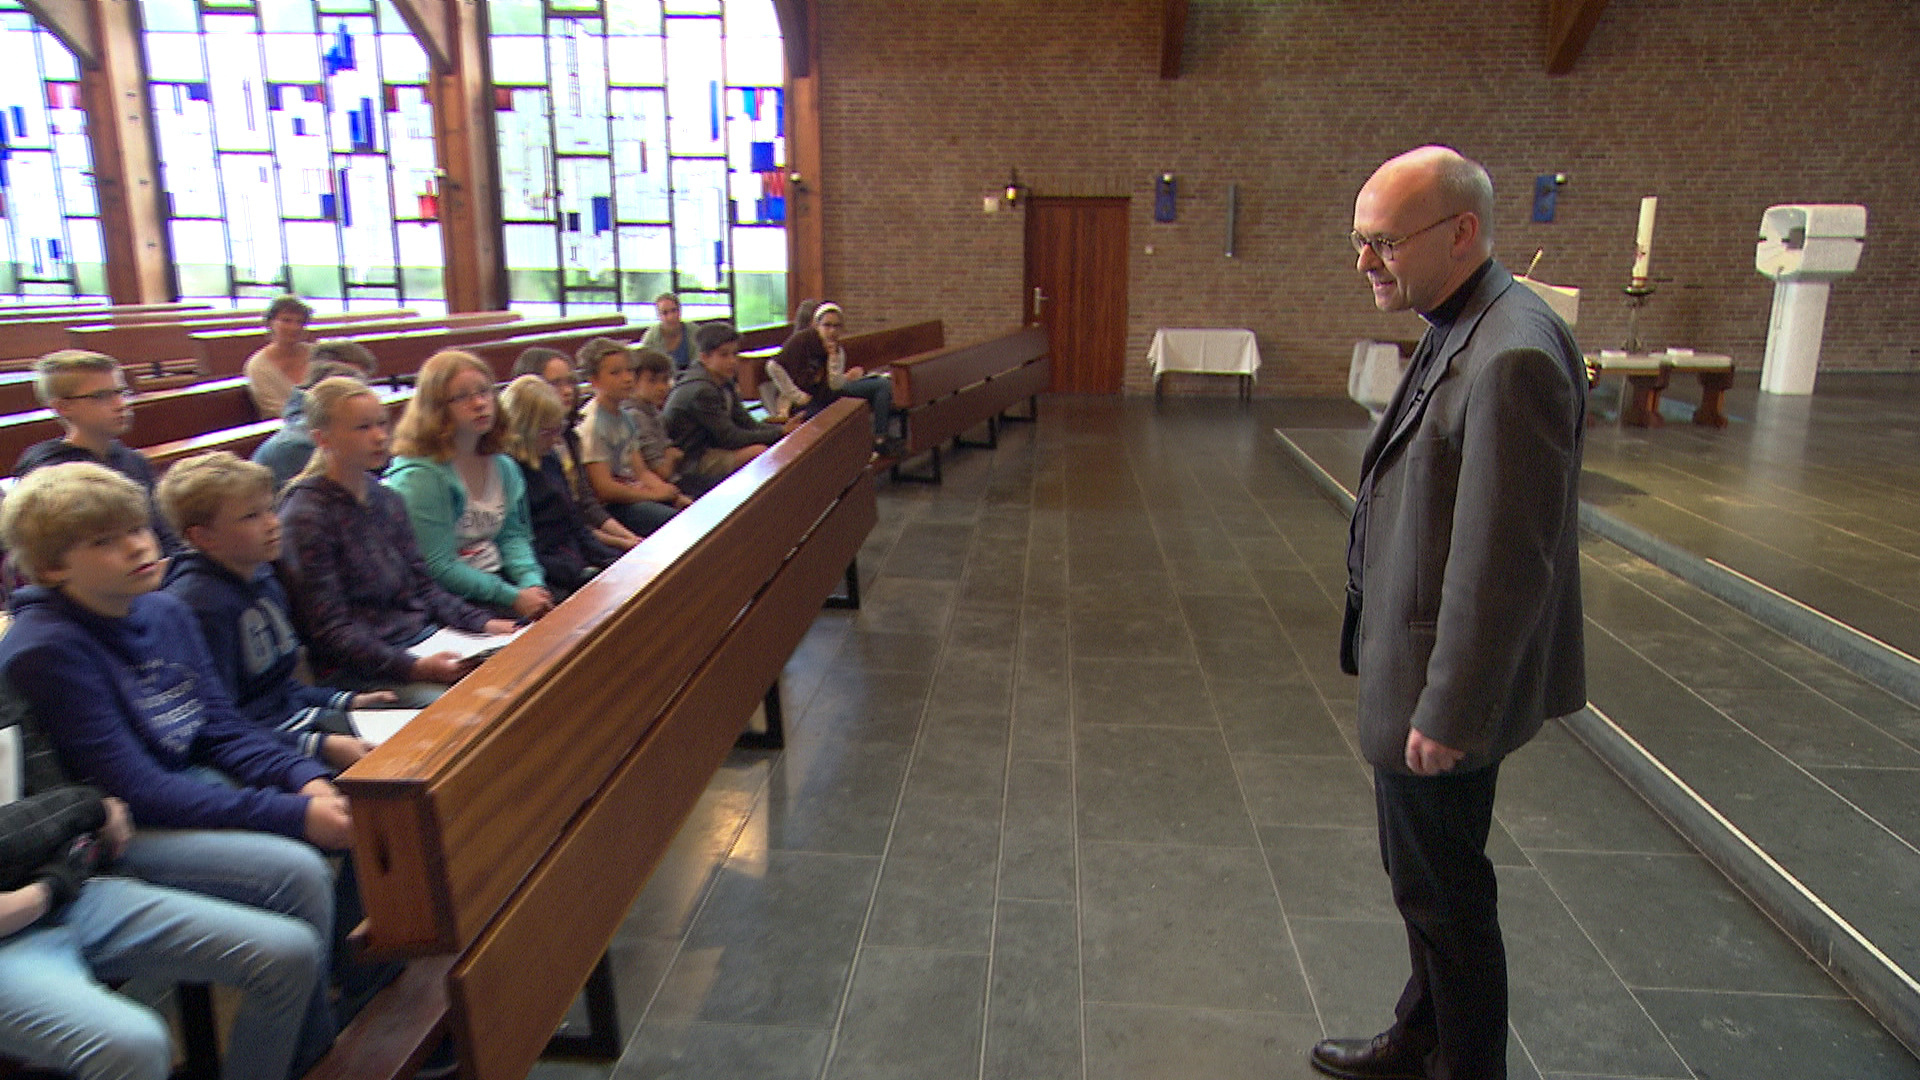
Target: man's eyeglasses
pixel 1385 247
pixel 101 397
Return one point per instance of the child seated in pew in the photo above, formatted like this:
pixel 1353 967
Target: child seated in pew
pixel 467 500
pixel 609 443
pixel 356 576
pixel 119 677
pixel 876 388
pixel 703 413
pixel 88 392
pixel 224 508
pixel 68 923
pixel 286 451
pixel 652 382
pixel 566 547
pixel 281 364
pixel 556 369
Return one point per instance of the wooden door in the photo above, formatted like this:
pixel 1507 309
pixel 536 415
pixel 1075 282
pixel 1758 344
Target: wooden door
pixel 1076 284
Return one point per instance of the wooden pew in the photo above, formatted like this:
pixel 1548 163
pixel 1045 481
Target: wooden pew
pixel 148 342
pixel 225 352
pixel 403 353
pixel 946 393
pixel 872 351
pixel 157 417
pixel 27 337
pixel 504 833
pixel 244 439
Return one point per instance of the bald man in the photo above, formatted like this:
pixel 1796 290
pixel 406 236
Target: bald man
pixel 1463 595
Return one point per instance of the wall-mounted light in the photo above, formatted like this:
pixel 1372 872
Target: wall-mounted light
pixel 1015 193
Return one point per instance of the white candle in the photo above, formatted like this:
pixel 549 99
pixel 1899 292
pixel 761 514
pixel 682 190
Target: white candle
pixel 1643 241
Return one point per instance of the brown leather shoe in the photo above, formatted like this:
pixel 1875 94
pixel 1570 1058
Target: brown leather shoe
pixel 1378 1058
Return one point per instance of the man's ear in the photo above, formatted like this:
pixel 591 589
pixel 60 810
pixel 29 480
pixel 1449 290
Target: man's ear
pixel 55 575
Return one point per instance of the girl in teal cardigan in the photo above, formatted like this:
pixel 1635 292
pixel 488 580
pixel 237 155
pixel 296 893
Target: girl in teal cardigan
pixel 467 501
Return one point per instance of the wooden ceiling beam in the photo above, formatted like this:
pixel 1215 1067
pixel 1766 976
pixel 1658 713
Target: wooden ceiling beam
pixel 1569 24
pixel 1173 36
pixel 428 21
pixel 72 22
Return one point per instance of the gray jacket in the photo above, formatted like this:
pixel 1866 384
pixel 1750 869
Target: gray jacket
pixel 1470 628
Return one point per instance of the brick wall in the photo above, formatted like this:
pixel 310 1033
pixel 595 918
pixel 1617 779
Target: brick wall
pixel 1720 107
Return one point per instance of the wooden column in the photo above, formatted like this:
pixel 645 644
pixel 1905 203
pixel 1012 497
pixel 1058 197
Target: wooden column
pixel 806 226
pixel 105 38
pixel 454 35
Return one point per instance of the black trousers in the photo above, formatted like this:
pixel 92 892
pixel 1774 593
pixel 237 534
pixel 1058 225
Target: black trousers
pixel 1433 840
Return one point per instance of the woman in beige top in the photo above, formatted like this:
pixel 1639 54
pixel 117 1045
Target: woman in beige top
pixel 281 364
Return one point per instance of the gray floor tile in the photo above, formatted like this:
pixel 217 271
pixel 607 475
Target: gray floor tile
pixel 1158 785
pixel 937 885
pixel 1033 1000
pixel 1886 795
pixel 1812 730
pixel 1328 872
pixel 1355 968
pixel 686 1050
pixel 1154 633
pixel 1760 1035
pixel 1306 790
pixel 1682 926
pixel 834 796
pixel 1240 616
pixel 868 706
pixel 1270 718
pixel 1126 1042
pixel 961 755
pixel 1151 692
pixel 1555 973
pixel 912 1014
pixel 774 943
pixel 1166 925
pixel 1037 844
pixel 1540 781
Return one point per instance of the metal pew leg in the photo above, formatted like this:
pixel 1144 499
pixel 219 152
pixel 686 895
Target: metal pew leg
pixel 601 1040
pixel 931 476
pixel 849 598
pixel 775 736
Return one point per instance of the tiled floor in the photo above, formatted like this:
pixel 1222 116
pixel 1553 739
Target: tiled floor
pixel 1074 795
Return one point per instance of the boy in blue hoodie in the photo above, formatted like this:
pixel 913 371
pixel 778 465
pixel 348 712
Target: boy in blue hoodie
pixel 223 508
pixel 120 678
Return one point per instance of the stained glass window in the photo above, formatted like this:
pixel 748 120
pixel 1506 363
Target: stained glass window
pixel 642 151
pixel 49 215
pixel 296 148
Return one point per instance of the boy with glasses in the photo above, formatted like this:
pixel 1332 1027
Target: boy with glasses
pixel 89 394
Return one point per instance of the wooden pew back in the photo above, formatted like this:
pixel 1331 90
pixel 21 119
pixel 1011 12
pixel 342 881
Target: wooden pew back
pixel 875 350
pixel 147 342
pixel 952 391
pixel 36 334
pixel 158 417
pixel 403 353
pixel 225 352
pixel 516 819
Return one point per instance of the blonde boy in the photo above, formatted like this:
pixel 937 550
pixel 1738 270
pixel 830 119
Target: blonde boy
pixel 223 506
pixel 119 674
pixel 89 394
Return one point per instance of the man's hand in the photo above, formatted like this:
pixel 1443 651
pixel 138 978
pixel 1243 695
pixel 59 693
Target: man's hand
pixel 373 699
pixel 1429 758
pixel 495 626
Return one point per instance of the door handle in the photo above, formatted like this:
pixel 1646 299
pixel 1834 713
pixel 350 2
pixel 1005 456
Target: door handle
pixel 1038 299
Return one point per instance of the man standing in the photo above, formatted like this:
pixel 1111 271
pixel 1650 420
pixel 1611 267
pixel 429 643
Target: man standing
pixel 1463 596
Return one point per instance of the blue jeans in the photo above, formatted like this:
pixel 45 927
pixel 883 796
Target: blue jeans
pixel 54 1013
pixel 878 392
pixel 260 870
pixel 641 518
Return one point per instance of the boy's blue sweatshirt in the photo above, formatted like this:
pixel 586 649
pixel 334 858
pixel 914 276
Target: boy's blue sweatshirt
pixel 248 627
pixel 133 704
